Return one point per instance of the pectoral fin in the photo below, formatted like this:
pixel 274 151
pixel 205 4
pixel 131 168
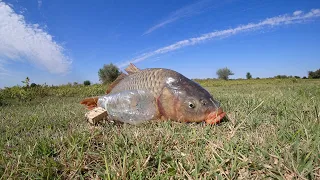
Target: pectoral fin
pixel 90 103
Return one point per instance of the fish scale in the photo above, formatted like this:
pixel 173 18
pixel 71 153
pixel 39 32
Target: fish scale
pixel 152 80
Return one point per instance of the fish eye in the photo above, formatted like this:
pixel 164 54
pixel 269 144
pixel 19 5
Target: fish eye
pixel 191 105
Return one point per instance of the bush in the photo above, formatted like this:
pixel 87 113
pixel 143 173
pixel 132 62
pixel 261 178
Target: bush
pixel 1 98
pixel 108 73
pixel 248 75
pixel 33 85
pixel 281 77
pixel 224 73
pixel 87 83
pixel 24 94
pixel 314 75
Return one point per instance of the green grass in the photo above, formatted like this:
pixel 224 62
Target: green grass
pixel 272 131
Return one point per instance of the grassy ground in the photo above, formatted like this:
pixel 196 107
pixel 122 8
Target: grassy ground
pixel 273 130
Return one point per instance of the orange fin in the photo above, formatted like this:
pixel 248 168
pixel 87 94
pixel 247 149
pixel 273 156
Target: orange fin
pixel 115 82
pixel 131 69
pixel 90 103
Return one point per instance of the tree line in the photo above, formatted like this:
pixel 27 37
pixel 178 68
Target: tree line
pixel 224 74
pixel 109 72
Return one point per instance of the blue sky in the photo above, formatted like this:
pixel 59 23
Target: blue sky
pixel 57 42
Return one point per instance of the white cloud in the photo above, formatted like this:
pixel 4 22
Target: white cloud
pixel 39 3
pixel 269 22
pixel 297 13
pixel 185 11
pixel 20 41
pixel 4 72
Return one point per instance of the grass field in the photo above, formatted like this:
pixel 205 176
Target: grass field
pixel 272 131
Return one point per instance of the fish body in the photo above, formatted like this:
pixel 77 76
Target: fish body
pixel 157 93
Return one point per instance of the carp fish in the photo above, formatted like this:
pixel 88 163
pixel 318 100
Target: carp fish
pixel 156 93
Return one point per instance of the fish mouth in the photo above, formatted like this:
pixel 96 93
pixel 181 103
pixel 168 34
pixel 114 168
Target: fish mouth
pixel 215 116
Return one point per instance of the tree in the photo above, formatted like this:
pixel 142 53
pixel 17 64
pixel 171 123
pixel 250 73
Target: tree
pixel 33 85
pixel 26 82
pixel 108 73
pixel 248 75
pixel 314 74
pixel 281 77
pixel 87 83
pixel 224 73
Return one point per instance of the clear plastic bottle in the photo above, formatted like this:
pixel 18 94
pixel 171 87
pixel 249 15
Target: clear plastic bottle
pixel 133 107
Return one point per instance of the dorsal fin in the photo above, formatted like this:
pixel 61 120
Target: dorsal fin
pixel 115 82
pixel 131 69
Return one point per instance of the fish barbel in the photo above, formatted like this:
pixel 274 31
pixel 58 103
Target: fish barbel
pixel 157 93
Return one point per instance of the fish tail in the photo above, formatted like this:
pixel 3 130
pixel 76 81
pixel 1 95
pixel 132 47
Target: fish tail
pixel 90 103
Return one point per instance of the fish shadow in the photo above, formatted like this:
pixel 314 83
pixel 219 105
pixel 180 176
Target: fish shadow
pixel 223 120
